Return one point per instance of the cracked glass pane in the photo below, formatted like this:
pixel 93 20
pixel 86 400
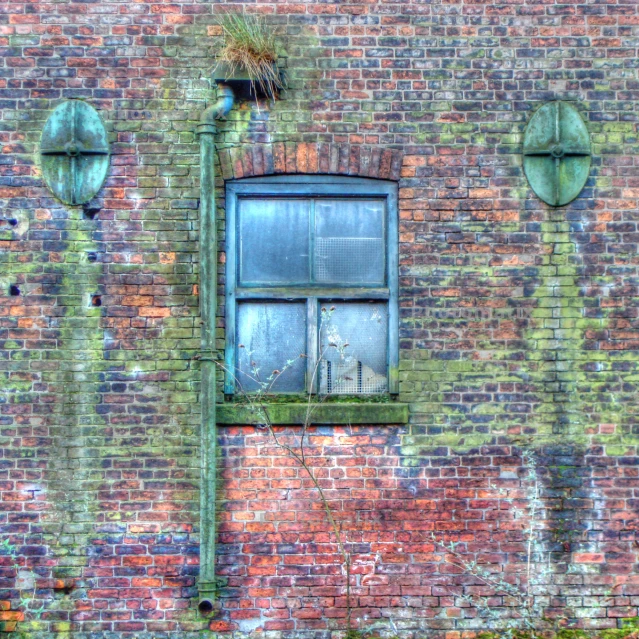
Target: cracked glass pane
pixel 271 336
pixel 273 241
pixel 349 242
pixel 353 348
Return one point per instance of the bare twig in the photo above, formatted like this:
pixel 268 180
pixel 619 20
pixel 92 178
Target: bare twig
pixel 258 403
pixel 529 612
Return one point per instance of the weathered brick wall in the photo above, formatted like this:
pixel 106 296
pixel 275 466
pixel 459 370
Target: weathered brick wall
pixel 100 421
pixel 283 567
pixel 519 323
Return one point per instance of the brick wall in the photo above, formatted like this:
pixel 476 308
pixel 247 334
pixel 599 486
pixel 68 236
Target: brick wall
pixel 519 323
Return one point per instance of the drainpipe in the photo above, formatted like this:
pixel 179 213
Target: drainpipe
pixel 208 306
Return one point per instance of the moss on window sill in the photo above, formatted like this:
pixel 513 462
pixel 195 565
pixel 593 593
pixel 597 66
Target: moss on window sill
pixel 324 413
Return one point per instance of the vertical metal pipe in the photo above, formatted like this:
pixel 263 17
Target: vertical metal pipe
pixel 208 307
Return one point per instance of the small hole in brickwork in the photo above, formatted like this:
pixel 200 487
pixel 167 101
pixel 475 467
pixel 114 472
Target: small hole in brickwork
pixel 66 586
pixel 92 257
pixel 90 212
pixel 12 221
pixel 14 290
pixel 96 300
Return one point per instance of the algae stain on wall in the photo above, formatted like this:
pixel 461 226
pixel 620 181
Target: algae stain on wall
pixel 555 339
pixel 77 424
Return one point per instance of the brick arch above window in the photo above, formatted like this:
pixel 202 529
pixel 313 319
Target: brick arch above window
pixel 310 158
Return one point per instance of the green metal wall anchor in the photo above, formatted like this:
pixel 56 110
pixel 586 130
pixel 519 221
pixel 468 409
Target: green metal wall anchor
pixel 557 153
pixel 74 152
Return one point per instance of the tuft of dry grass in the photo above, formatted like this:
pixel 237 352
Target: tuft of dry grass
pixel 250 45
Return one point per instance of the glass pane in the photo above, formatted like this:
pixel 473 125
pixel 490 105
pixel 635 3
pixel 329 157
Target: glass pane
pixel 274 240
pixel 271 336
pixel 349 242
pixel 354 348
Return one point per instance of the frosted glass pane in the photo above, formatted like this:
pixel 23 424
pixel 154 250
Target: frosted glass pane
pixel 274 238
pixel 349 242
pixel 354 348
pixel 270 334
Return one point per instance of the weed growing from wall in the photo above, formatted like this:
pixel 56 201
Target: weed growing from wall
pixel 250 45
pixel 515 607
pixel 258 401
pixel 521 595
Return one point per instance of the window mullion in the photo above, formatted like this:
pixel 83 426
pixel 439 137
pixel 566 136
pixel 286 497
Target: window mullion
pixel 312 338
pixel 311 242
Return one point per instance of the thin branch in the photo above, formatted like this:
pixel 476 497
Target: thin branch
pixel 529 613
pixel 257 402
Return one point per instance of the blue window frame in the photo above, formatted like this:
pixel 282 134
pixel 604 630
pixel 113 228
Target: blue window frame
pixel 311 285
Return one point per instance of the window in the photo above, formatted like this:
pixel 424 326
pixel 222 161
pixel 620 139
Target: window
pixel 311 285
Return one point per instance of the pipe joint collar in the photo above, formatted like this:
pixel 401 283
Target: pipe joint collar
pixel 217 111
pixel 207 590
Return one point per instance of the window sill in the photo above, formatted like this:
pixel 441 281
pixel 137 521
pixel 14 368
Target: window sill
pixel 347 413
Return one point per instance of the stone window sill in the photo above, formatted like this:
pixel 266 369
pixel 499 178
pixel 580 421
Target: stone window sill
pixel 321 414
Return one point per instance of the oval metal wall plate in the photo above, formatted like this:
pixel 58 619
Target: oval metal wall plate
pixel 74 152
pixel 557 153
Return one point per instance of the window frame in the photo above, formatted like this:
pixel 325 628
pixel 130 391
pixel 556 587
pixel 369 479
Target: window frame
pixel 312 186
